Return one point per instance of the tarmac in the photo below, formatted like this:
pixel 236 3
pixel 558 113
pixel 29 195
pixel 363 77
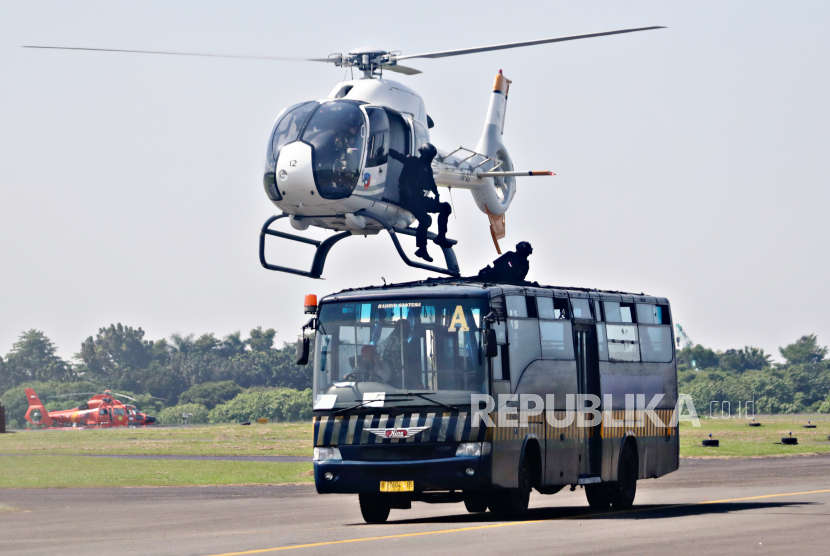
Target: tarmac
pixel 742 506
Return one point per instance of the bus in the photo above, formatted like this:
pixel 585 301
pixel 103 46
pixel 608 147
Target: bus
pixel 421 393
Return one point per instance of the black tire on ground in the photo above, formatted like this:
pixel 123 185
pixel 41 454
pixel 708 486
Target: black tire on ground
pixel 625 489
pixel 374 507
pixel 789 440
pixel 599 497
pixel 809 426
pixel 512 502
pixel 712 443
pixel 755 424
pixel 476 504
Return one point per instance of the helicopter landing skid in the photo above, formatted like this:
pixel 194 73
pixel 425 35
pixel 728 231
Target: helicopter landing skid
pixel 323 248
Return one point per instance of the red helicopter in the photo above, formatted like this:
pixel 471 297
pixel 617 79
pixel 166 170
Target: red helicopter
pixel 102 411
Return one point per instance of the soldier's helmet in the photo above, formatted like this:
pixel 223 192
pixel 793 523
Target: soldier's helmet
pixel 427 151
pixel 524 248
pixel 354 121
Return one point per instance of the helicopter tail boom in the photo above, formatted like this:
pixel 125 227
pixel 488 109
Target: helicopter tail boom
pixel 36 405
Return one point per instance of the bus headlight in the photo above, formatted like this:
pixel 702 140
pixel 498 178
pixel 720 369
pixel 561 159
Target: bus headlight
pixel 473 449
pixel 327 453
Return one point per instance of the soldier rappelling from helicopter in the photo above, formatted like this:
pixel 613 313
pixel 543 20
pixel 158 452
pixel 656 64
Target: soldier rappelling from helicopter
pixel 415 182
pixel 513 266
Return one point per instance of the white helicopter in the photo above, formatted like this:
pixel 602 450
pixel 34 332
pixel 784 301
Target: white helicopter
pixel 328 164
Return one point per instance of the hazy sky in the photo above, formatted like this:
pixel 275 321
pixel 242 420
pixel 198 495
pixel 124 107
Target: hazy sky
pixel 691 162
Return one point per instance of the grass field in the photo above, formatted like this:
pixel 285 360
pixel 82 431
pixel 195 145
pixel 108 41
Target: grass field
pixel 272 439
pixel 50 458
pixel 69 471
pixel 738 439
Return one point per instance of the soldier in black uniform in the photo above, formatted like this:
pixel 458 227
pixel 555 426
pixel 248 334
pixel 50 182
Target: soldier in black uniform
pixel 415 182
pixel 513 266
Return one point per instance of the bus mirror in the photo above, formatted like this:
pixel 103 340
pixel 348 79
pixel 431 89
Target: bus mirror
pixel 302 351
pixel 491 347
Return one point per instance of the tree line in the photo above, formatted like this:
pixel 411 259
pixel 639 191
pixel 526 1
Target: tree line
pixel 157 372
pixel 799 385
pixel 212 373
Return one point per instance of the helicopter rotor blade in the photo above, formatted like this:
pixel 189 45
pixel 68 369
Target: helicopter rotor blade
pixel 402 69
pixel 333 60
pixel 462 51
pixel 124 396
pixel 71 395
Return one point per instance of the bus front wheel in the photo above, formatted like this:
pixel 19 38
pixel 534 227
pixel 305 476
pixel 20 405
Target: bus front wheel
pixel 475 503
pixel 512 502
pixel 625 489
pixel 374 507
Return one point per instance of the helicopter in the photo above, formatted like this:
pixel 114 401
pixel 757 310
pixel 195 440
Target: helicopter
pixel 328 164
pixel 101 411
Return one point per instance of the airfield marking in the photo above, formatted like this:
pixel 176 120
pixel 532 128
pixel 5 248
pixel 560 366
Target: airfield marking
pixel 494 525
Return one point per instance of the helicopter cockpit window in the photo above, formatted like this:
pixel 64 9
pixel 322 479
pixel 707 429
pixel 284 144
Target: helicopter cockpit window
pixel 378 150
pixel 421 134
pixel 288 129
pixel 336 133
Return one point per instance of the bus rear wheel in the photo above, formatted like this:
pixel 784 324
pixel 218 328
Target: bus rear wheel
pixel 599 498
pixel 374 507
pixel 625 489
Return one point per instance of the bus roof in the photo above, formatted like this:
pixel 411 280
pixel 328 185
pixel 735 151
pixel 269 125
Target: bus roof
pixel 471 287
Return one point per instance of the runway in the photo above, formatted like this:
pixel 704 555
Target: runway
pixel 272 459
pixel 751 506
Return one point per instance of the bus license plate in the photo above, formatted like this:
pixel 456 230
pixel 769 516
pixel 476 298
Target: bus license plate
pixel 397 486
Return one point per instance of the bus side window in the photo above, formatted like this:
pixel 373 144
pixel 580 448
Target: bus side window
pixel 581 308
pixel 545 305
pixel 612 311
pixel 560 308
pixel 557 339
pixel 602 342
pixel 516 306
pixel 655 343
pixel 623 342
pixel 531 307
pixel 652 314
pixel 661 315
pixel 627 311
pixel 523 337
pixel 645 313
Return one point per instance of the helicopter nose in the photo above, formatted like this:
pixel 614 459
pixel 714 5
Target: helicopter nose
pixel 149 420
pixel 295 176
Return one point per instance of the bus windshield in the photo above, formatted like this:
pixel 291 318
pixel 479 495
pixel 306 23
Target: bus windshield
pixel 427 345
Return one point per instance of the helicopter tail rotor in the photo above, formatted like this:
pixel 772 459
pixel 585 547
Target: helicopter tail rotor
pixel 36 414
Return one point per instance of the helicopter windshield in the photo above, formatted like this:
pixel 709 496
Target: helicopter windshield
pixel 336 133
pixel 288 129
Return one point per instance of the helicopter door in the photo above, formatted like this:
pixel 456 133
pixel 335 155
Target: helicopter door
pixel 399 139
pixel 375 172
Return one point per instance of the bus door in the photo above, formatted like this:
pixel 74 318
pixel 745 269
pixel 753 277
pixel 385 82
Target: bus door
pixel 587 367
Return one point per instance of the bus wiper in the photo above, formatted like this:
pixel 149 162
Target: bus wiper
pixel 423 396
pixel 361 404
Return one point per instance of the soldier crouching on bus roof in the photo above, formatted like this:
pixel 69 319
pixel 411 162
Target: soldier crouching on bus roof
pixel 415 182
pixel 513 266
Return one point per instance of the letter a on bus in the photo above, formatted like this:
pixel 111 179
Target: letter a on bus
pixel 459 320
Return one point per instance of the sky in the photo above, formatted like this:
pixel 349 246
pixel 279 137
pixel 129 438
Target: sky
pixel 691 161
